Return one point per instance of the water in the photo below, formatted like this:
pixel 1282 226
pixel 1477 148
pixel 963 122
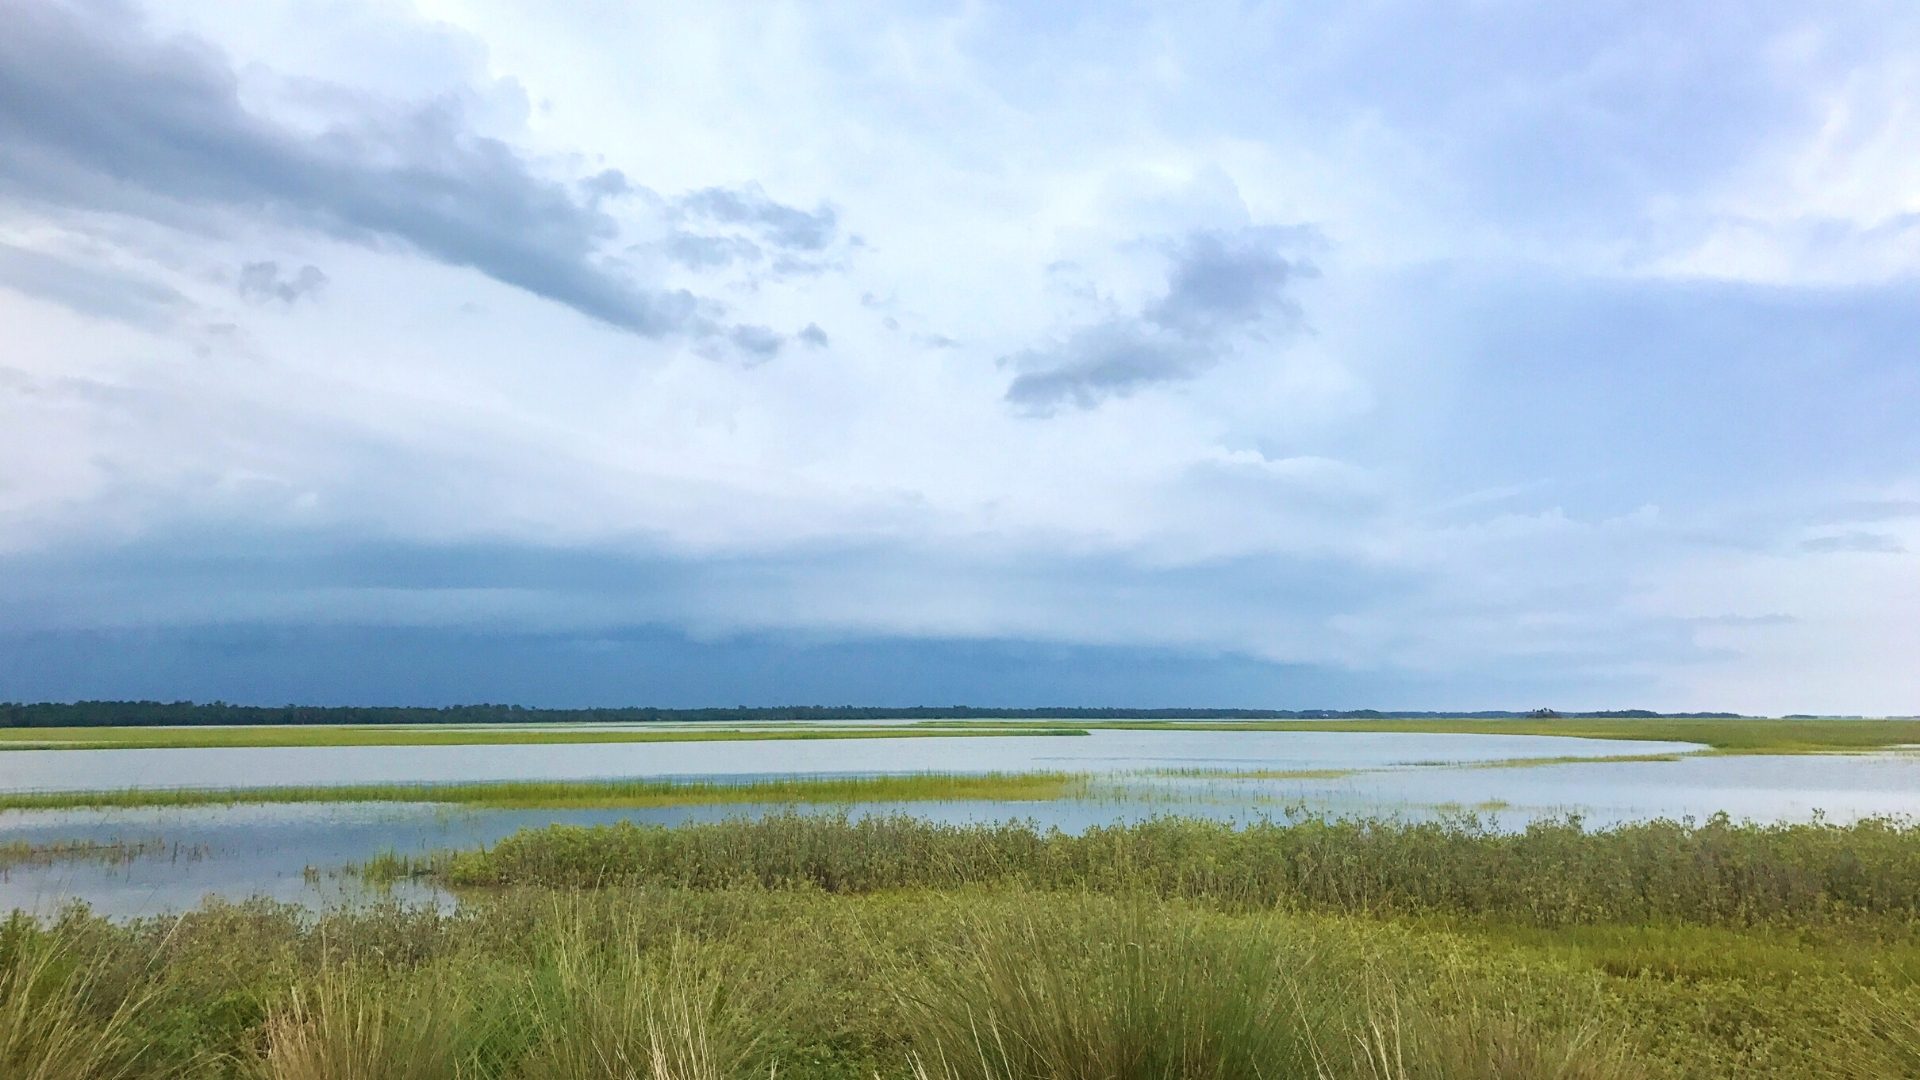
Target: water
pixel 1100 751
pixel 293 853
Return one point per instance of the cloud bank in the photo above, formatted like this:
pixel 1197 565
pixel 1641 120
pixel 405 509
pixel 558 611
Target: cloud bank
pixel 1421 356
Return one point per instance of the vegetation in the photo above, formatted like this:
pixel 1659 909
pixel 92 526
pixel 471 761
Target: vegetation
pixel 922 787
pixel 152 738
pixel 1552 874
pixel 177 713
pixel 968 984
pixel 26 728
pixel 1738 736
pixel 827 948
pixel 113 852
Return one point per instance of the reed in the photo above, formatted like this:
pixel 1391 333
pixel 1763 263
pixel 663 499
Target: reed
pixel 50 1027
pixel 347 1024
pixel 1046 964
pixel 615 1011
pixel 1105 992
pixel 1552 874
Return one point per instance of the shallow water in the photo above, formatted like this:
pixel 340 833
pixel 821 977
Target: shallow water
pixel 267 850
pixel 1100 751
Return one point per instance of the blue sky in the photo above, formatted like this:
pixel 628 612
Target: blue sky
pixel 1415 355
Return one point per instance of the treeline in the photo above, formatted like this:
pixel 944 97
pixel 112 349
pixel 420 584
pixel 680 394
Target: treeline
pixel 188 713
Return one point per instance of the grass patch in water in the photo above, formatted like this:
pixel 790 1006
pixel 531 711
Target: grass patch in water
pixel 1258 774
pixel 587 795
pixel 1531 763
pixel 1744 736
pixel 15 853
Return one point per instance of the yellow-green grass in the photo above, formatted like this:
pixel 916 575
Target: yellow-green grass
pixel 1553 873
pixel 149 738
pixel 1259 774
pixel 114 852
pixel 1742 736
pixel 588 795
pixel 1747 736
pixel 1005 983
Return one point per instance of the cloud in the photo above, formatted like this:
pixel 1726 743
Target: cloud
pixel 1769 619
pixel 722 226
pixel 1854 541
pixel 96 112
pixel 775 223
pixel 1222 286
pixel 757 341
pixel 813 335
pixel 89 290
pixel 261 281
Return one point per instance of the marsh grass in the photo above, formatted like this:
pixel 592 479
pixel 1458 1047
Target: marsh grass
pixel 1753 735
pixel 1737 736
pixel 1550 874
pixel 819 970
pixel 616 1011
pixel 1137 990
pixel 350 1024
pixel 50 1022
pixel 1117 992
pixel 612 794
pixel 113 853
pixel 150 738
pixel 1884 1037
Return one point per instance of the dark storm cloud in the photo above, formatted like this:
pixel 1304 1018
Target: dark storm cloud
pixel 1221 286
pixel 96 112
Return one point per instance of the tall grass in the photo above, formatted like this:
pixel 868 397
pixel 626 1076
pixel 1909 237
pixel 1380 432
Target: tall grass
pixel 1135 991
pixel 1128 994
pixel 667 984
pixel 616 1012
pixel 50 1027
pixel 1552 874
pixel 348 1024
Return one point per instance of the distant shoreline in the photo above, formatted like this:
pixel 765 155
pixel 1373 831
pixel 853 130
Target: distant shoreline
pixel 217 713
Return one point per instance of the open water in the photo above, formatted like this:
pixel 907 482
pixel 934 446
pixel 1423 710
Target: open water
pixel 295 853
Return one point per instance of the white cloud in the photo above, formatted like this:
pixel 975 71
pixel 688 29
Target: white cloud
pixel 1534 316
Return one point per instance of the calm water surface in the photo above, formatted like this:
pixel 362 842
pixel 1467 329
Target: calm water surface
pixel 1101 751
pixel 294 852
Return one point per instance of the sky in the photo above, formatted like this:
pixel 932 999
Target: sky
pixel 1424 355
